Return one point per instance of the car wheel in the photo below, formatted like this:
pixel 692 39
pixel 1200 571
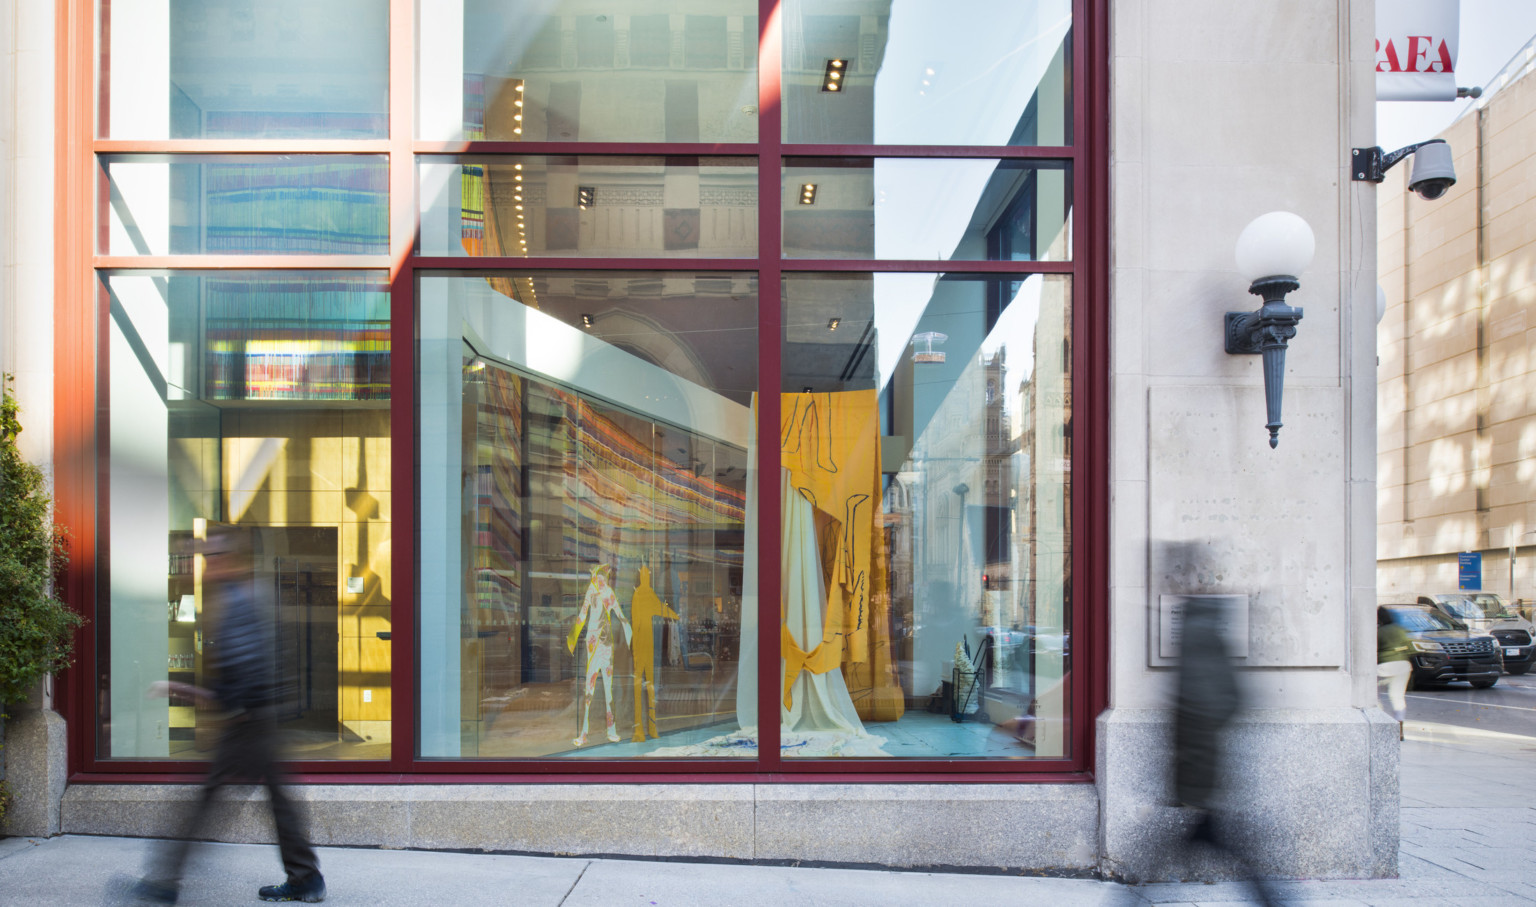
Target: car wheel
pixel 1518 671
pixel 1484 684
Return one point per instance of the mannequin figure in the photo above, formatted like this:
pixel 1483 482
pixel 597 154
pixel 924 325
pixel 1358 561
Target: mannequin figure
pixel 644 606
pixel 600 602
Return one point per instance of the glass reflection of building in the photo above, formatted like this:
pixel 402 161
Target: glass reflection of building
pixel 584 418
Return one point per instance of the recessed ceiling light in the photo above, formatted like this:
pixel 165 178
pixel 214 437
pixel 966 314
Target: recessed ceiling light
pixel 808 194
pixel 833 323
pixel 832 76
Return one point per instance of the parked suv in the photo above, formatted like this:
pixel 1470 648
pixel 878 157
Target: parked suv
pixel 1443 650
pixel 1484 612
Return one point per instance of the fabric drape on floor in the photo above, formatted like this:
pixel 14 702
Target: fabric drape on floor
pixel 830 444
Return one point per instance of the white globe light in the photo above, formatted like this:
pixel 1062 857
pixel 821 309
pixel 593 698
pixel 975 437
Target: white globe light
pixel 1277 244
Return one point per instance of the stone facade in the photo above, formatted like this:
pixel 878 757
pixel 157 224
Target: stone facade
pixel 1221 112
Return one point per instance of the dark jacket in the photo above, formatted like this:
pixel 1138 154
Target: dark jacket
pixel 1208 698
pixel 242 650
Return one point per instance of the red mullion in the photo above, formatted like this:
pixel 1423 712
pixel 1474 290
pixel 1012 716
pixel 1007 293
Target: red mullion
pixel 1091 367
pixel 183 263
pixel 584 149
pixel 77 346
pixel 770 380
pixel 550 770
pixel 369 774
pixel 440 263
pixel 104 23
pixel 403 229
pixel 181 147
pixel 1022 268
pixel 944 152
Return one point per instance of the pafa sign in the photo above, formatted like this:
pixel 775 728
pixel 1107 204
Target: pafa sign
pixel 1416 43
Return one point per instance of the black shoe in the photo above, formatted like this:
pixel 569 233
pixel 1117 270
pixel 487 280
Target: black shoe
pixel 310 891
pixel 153 892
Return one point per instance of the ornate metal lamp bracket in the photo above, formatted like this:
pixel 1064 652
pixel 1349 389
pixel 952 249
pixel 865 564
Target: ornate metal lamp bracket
pixel 1267 332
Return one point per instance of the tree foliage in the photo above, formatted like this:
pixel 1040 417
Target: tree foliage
pixel 36 627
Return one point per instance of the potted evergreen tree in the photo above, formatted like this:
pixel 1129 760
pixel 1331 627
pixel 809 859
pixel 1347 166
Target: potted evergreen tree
pixel 36 627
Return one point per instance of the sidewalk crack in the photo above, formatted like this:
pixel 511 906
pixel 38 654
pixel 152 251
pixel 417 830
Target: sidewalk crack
pixel 579 877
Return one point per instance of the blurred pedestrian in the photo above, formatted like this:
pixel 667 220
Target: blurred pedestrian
pixel 1209 697
pixel 1392 666
pixel 240 643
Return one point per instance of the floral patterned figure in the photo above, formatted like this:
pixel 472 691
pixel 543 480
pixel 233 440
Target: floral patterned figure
pixel 596 608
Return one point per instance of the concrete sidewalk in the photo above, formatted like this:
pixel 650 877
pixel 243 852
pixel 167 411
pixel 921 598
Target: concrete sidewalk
pixel 1467 838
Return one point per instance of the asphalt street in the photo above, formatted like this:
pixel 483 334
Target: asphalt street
pixel 1508 707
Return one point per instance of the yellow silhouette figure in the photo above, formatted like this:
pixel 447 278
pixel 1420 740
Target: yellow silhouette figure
pixel 644 606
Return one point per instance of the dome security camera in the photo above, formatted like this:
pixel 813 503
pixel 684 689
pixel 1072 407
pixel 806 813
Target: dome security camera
pixel 1432 173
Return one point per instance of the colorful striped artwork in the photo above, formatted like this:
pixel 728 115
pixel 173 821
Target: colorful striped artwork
pixel 472 178
pixel 296 337
pixel 617 500
pixel 298 207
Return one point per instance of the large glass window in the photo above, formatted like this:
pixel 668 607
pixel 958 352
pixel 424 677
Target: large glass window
pixel 572 71
pixel 278 204
pixel 589 207
pixel 925 438
pixel 929 209
pixel 268 69
pixel 914 72
pixel 254 405
pixel 586 439
pixel 308 302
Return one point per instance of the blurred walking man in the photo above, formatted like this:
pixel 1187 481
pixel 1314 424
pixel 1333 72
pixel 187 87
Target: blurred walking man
pixel 240 643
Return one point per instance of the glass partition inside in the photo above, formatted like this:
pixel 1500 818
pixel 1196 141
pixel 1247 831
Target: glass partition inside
pixel 926 435
pixel 586 584
pixel 253 407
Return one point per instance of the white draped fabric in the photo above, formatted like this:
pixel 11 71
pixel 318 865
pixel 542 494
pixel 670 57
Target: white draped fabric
pixel 820 701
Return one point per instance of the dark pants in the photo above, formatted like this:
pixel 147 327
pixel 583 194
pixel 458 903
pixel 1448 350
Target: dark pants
pixel 246 751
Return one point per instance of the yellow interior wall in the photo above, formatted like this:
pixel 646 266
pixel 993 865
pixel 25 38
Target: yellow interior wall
pixel 326 468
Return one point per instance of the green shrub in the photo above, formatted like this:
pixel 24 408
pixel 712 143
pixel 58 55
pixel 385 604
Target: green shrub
pixel 36 627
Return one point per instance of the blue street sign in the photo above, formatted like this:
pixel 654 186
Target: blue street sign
pixel 1469 570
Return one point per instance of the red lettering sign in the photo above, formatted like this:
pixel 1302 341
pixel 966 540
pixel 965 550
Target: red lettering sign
pixel 1426 53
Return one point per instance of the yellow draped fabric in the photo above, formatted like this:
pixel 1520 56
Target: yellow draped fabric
pixel 830 446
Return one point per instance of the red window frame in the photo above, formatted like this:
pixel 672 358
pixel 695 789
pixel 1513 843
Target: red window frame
pixel 81 396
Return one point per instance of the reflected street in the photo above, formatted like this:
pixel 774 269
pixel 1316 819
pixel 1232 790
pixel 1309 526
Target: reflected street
pixel 1509 707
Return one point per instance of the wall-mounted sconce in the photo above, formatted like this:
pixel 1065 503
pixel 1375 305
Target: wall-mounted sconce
pixel 1432 173
pixel 1272 251
pixel 832 77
